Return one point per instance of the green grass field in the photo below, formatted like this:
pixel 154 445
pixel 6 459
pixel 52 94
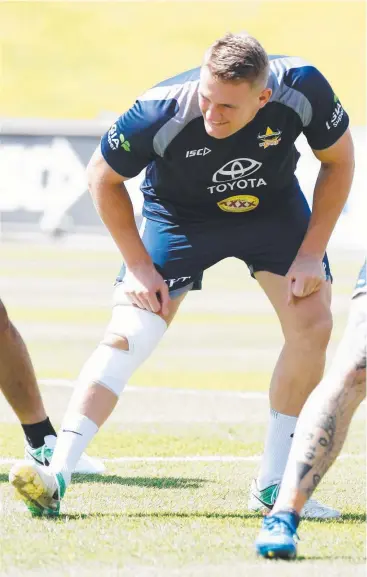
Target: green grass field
pixel 184 442
pixel 149 515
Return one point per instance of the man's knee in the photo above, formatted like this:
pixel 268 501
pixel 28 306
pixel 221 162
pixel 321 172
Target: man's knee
pixel 360 380
pixel 354 385
pixel 115 341
pixel 354 341
pixel 131 336
pixel 4 319
pixel 313 330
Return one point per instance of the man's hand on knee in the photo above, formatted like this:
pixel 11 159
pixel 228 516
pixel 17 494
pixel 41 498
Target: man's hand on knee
pixel 305 276
pixel 146 289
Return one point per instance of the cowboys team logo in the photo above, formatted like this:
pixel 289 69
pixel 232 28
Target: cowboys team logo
pixel 270 138
pixel 239 203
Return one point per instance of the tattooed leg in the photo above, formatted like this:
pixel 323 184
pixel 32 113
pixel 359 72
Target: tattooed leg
pixel 324 421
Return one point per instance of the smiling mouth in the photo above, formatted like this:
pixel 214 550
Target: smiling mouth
pixel 216 123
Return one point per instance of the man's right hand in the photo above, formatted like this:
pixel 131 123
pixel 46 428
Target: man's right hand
pixel 145 288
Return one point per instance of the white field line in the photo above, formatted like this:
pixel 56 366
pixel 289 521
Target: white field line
pixel 164 390
pixel 165 1
pixel 157 1
pixel 190 459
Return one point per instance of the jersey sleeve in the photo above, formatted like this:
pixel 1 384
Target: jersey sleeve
pixel 128 146
pixel 329 120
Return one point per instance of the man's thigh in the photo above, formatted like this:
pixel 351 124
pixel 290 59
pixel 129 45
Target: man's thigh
pixel 276 242
pixel 302 312
pixel 180 253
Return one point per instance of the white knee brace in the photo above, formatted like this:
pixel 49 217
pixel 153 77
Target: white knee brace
pixel 112 367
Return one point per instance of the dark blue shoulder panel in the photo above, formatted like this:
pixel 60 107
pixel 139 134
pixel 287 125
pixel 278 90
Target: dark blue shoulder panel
pixel 328 120
pixel 128 145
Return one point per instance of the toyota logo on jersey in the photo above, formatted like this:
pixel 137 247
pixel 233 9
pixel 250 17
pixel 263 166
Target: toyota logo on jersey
pixel 235 169
pixel 234 175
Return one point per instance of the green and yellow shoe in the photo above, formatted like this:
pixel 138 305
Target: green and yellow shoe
pixel 39 488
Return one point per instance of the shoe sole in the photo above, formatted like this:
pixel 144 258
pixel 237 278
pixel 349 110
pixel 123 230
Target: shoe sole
pixel 274 553
pixel 321 517
pixel 31 490
pixel 255 505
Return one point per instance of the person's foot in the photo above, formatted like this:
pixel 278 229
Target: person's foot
pixel 39 488
pixel 277 538
pixel 43 455
pixel 262 501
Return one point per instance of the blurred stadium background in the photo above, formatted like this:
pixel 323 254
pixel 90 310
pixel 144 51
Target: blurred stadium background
pixel 67 70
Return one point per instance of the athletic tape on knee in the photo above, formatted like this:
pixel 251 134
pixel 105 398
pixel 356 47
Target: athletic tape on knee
pixel 112 367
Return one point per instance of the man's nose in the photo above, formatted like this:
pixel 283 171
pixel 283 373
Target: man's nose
pixel 213 114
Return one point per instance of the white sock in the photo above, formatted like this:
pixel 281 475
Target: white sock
pixel 277 446
pixel 75 434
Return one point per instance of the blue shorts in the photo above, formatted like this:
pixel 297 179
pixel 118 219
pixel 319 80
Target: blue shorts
pixel 268 242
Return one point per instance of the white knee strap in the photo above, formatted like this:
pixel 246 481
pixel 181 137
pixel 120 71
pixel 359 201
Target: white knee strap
pixel 112 367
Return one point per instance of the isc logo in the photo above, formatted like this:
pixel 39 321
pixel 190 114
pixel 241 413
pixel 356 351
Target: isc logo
pixel 198 152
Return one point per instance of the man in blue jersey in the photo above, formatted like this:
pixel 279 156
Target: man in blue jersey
pixel 320 432
pixel 217 143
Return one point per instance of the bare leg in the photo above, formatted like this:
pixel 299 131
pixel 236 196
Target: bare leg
pixel 325 419
pixel 17 378
pixel 19 385
pixel 306 325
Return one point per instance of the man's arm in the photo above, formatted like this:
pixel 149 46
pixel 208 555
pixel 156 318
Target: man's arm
pixel 331 192
pixel 114 206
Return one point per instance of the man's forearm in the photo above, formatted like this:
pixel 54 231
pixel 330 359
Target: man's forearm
pixel 330 195
pixel 115 208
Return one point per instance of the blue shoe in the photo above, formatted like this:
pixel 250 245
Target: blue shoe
pixel 277 538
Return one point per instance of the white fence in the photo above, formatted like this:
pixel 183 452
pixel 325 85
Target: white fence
pixel 43 185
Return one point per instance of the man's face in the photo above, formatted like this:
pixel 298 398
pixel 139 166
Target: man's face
pixel 228 106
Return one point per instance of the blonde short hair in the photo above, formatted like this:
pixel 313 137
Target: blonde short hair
pixel 237 58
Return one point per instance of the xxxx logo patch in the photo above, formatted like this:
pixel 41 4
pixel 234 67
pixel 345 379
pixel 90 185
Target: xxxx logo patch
pixel 239 203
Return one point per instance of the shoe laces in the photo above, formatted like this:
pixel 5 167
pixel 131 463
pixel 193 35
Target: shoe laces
pixel 46 455
pixel 279 524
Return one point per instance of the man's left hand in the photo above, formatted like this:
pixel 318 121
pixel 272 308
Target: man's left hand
pixel 305 276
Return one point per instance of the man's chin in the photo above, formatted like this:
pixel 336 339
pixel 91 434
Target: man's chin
pixel 221 131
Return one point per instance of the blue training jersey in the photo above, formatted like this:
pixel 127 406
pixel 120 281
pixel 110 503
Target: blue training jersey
pixel 191 176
